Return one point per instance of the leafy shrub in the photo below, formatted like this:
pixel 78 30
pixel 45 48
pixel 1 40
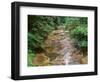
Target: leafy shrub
pixel 40 26
pixel 80 35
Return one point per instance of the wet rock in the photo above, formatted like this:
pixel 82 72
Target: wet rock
pixel 41 60
pixel 60 49
pixel 56 47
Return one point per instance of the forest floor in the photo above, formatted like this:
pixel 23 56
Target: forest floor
pixel 60 50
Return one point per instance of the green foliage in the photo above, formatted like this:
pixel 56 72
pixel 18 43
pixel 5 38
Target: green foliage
pixel 79 33
pixel 30 59
pixel 72 21
pixel 40 26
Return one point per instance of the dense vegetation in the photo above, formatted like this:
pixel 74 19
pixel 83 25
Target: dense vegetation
pixel 40 26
